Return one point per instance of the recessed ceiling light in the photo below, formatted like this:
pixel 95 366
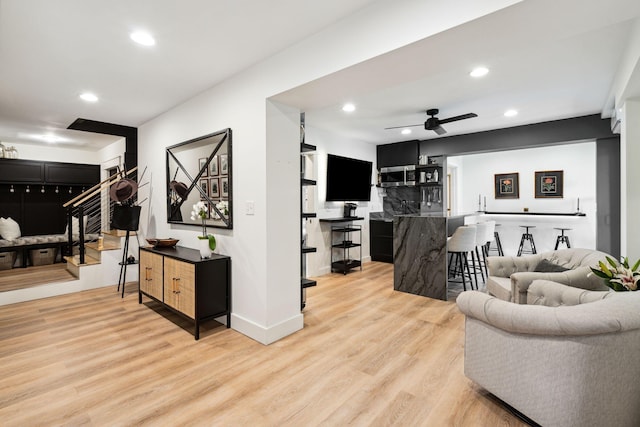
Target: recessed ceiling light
pixel 143 38
pixel 348 108
pixel 406 131
pixel 479 72
pixel 89 97
pixel 511 113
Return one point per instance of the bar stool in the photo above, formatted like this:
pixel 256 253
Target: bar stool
pixel 562 238
pixel 496 238
pixel 484 231
pixel 526 236
pixel 459 245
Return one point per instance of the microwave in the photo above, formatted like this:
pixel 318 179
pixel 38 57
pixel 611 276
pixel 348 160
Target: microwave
pixel 398 176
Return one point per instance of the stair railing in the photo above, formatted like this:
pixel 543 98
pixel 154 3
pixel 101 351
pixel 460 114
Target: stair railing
pixel 86 209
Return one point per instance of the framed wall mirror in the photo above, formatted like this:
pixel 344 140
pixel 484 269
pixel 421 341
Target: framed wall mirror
pixel 200 170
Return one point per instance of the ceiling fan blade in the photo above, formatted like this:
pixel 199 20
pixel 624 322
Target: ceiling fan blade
pixel 439 130
pixel 461 117
pixel 400 127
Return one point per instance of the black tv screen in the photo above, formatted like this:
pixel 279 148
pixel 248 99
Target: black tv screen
pixel 348 180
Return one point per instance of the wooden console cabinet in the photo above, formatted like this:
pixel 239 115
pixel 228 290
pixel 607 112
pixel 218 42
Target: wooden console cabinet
pixel 199 289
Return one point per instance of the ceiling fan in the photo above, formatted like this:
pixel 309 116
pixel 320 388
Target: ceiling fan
pixel 433 123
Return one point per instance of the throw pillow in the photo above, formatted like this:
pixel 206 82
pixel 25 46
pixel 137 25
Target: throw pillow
pixel 9 229
pixel 546 266
pixel 75 226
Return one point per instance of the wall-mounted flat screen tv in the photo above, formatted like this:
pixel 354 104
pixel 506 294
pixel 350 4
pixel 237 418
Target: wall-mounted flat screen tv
pixel 348 180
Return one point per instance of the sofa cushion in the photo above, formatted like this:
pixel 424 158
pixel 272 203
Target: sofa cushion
pixel 500 287
pixel 546 266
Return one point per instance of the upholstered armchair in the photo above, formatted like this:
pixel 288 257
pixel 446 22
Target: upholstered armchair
pixel 572 364
pixel 510 276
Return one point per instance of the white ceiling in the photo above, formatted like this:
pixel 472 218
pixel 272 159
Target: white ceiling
pixel 52 51
pixel 548 59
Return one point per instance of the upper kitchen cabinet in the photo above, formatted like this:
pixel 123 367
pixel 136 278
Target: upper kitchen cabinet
pixel 397 154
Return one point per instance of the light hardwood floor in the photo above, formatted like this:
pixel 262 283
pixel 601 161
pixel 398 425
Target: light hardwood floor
pixel 367 356
pixel 22 278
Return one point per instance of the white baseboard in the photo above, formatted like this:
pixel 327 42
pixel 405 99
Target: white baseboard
pixel 266 335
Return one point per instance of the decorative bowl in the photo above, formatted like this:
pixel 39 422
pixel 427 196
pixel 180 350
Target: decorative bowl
pixel 163 243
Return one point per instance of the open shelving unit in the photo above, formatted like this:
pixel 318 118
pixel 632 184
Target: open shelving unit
pixel 305 151
pixel 342 249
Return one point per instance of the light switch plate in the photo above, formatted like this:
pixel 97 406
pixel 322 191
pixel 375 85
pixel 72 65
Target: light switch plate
pixel 250 207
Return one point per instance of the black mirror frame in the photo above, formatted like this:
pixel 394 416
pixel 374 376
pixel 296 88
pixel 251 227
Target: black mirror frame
pixel 226 219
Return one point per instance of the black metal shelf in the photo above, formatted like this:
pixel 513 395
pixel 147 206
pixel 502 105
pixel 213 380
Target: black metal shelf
pixel 306 148
pixel 307 283
pixel 305 181
pixel 345 229
pixel 343 266
pixel 309 214
pixel 308 249
pixel 341 258
pixel 346 245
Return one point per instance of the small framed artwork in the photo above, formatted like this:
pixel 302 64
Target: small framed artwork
pixel 549 184
pixel 224 184
pixel 214 188
pixel 213 166
pixel 507 186
pixel 201 165
pixel 224 164
pixel 204 185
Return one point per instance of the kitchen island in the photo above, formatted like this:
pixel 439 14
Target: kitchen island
pixel 420 253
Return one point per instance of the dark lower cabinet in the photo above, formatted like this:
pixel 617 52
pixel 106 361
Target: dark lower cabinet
pixel 381 240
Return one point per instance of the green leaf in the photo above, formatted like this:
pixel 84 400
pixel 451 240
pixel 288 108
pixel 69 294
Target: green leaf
pixel 625 262
pixel 612 262
pixel 636 265
pixel 605 270
pixel 599 273
pixel 212 242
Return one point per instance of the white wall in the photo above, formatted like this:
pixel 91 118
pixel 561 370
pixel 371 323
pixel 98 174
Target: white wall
pixel 630 177
pixel 578 161
pixel 319 234
pixel 51 153
pixel 265 246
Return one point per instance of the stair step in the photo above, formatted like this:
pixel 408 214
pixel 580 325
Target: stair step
pixel 118 233
pixel 75 260
pixel 108 245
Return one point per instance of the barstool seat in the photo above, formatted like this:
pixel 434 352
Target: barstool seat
pixel 459 246
pixel 562 238
pixel 527 237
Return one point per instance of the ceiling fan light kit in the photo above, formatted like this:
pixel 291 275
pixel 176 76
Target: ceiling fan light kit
pixel 433 123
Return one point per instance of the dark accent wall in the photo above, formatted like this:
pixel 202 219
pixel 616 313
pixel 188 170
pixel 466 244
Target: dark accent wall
pixel 608 195
pixel 129 133
pixel 557 132
pixel 38 212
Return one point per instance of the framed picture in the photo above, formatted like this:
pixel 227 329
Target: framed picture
pixel 214 188
pixel 507 186
pixel 549 184
pixel 224 184
pixel 201 163
pixel 213 166
pixel 204 184
pixel 224 164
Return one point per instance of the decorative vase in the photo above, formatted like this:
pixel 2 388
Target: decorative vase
pixel 205 250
